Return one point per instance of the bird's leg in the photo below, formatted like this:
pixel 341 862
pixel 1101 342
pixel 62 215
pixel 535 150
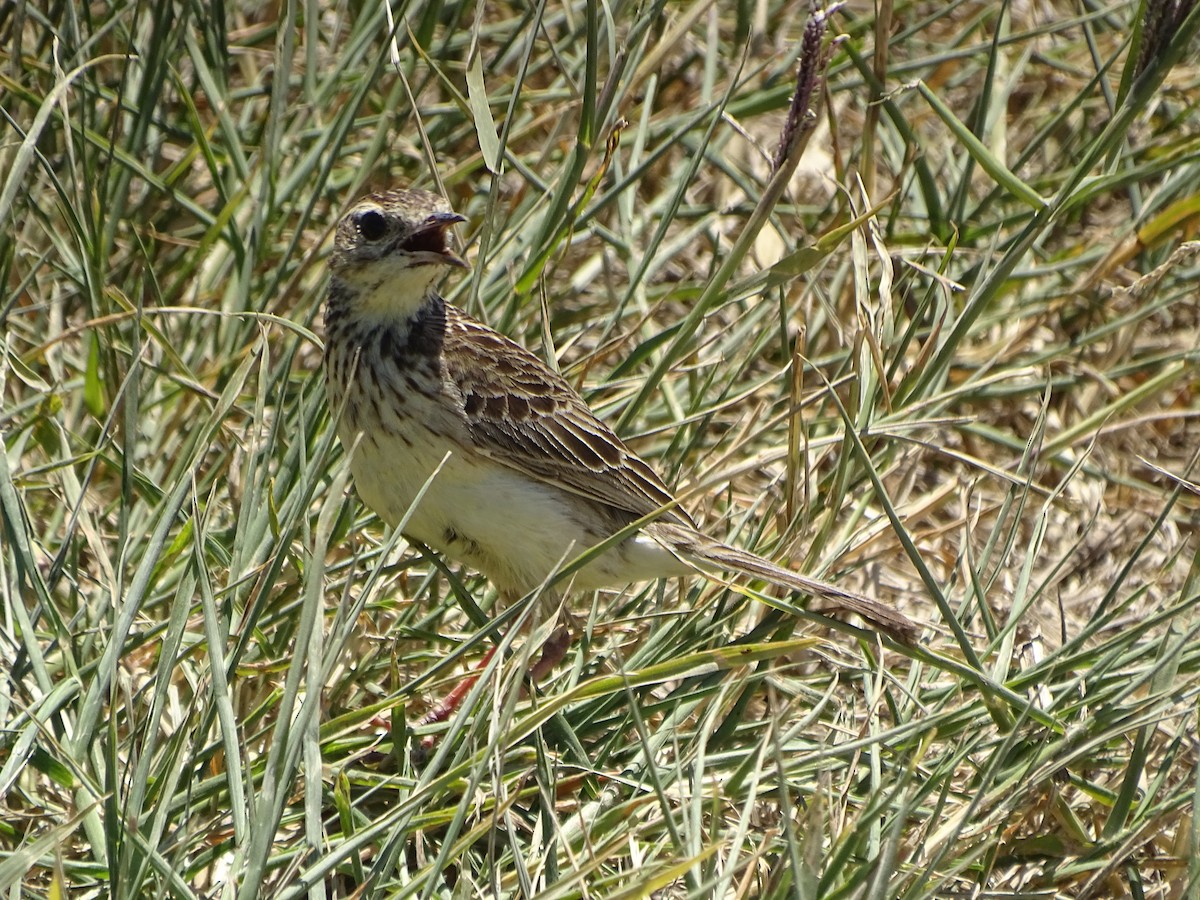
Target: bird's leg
pixel 450 702
pixel 556 646
pixel 553 651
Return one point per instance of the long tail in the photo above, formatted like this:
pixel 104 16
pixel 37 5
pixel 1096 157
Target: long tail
pixel 704 552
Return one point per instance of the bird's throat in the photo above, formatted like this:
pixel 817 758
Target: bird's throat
pixel 400 332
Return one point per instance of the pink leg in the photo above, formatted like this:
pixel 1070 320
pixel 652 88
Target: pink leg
pixel 553 651
pixel 449 704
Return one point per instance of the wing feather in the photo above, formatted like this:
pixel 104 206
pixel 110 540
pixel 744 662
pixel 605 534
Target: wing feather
pixel 524 415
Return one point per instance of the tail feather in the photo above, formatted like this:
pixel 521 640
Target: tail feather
pixel 704 552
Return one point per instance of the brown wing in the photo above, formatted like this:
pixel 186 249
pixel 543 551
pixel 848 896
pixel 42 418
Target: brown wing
pixel 524 415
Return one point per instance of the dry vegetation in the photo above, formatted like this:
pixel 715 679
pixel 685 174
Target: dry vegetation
pixel 955 368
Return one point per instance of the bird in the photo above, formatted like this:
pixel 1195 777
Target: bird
pixel 518 475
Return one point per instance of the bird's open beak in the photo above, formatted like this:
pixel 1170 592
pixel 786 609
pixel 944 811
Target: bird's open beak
pixel 431 242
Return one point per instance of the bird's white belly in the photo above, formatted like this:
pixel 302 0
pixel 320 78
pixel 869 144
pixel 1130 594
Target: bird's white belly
pixel 513 529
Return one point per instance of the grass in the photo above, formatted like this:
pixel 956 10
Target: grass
pixel 953 366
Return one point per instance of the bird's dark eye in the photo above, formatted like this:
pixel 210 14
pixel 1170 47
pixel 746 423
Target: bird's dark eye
pixel 371 224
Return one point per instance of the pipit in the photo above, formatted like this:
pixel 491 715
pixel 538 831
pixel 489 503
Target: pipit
pixel 519 475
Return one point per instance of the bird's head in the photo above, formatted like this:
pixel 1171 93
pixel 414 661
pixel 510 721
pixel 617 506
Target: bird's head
pixel 393 245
